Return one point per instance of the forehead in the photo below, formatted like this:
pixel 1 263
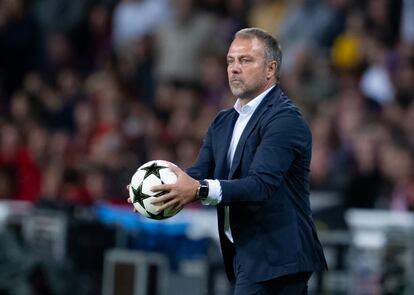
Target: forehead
pixel 246 46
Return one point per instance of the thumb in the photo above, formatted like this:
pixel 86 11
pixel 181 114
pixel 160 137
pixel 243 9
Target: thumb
pixel 174 168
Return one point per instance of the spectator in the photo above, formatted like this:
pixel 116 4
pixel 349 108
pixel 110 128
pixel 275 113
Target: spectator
pixel 182 41
pixel 268 14
pixel 397 165
pixel 135 19
pixel 20 47
pixel 362 190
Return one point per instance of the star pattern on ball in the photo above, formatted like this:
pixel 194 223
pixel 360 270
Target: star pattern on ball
pixel 156 216
pixel 153 169
pixel 139 197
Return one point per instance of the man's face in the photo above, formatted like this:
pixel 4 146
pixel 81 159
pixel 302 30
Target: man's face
pixel 247 70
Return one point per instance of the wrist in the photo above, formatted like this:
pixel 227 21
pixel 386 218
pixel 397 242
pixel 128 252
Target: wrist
pixel 202 190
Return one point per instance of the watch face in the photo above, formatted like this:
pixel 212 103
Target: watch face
pixel 203 190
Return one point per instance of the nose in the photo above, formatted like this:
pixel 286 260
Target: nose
pixel 235 68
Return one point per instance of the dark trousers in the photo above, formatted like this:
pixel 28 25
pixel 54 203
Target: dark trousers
pixel 293 284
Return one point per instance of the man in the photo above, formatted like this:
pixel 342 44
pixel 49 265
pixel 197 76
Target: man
pixel 254 165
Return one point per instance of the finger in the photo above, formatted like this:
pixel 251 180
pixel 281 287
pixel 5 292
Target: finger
pixel 131 202
pixel 163 198
pixel 173 202
pixel 177 207
pixel 162 188
pixel 133 207
pixel 171 163
pixel 127 187
pixel 174 168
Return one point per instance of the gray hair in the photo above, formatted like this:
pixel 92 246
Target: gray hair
pixel 273 51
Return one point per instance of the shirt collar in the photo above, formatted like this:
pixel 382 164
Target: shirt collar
pixel 251 106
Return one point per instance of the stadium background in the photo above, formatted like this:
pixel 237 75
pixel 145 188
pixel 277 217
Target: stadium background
pixel 91 89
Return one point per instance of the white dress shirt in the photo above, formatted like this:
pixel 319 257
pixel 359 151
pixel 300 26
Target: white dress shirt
pixel 245 113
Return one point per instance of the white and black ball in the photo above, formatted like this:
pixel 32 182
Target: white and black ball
pixel 150 174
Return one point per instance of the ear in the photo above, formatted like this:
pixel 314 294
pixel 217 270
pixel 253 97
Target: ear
pixel 271 70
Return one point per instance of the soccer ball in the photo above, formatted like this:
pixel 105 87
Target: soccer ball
pixel 151 173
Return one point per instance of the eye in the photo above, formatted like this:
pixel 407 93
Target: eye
pixel 245 60
pixel 229 61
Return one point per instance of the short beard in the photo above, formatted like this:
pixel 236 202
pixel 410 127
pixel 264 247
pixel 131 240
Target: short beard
pixel 242 93
pixel 246 93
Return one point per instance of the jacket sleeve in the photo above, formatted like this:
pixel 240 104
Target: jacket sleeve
pixel 283 139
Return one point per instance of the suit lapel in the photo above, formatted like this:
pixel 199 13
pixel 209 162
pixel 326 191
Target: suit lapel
pixel 224 134
pixel 261 109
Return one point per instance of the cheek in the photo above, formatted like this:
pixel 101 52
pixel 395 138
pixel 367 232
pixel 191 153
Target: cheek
pixel 257 69
pixel 253 74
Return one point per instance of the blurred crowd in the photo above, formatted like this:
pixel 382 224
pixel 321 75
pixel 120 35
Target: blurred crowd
pixel 91 89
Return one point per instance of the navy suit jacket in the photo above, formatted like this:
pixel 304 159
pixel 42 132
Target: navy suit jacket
pixel 266 189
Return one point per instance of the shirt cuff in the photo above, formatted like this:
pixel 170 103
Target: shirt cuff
pixel 214 192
